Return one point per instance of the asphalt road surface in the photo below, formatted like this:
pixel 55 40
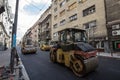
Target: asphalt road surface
pixel 39 67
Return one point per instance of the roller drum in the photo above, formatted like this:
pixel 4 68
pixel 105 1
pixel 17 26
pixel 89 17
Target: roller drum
pixel 91 64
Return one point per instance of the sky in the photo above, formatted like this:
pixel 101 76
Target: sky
pixel 29 12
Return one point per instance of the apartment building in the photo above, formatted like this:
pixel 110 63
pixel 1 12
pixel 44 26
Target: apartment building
pixel 113 24
pixel 4 37
pixel 34 33
pixel 83 14
pixel 45 26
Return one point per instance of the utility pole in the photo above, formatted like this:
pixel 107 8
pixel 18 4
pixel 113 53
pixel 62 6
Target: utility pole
pixel 13 49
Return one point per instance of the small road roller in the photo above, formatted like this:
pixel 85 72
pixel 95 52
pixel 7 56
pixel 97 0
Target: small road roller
pixel 73 50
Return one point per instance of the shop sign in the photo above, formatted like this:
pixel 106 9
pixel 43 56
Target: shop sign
pixel 115 32
pixel 116 26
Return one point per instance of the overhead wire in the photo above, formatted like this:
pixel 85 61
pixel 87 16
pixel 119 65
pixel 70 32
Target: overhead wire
pixel 42 7
pixel 33 5
pixel 39 11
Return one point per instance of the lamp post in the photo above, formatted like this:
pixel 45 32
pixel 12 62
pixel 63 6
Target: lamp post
pixel 13 49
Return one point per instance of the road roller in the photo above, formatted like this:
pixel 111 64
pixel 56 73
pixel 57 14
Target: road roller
pixel 27 46
pixel 73 50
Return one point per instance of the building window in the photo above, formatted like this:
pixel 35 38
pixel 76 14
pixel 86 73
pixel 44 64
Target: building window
pixel 55 2
pixel 60 0
pixel 73 17
pixel 62 3
pixel 67 0
pixel 55 26
pixel 35 35
pixel 62 22
pixel 81 1
pixel 62 13
pixel 90 24
pixel 55 17
pixel 90 28
pixel 55 36
pixel 10 32
pixel 89 10
pixel 55 9
pixel 72 6
pixel 10 27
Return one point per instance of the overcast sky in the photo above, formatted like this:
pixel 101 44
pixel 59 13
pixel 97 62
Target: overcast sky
pixel 29 13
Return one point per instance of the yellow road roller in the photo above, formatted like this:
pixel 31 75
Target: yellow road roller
pixel 44 46
pixel 74 52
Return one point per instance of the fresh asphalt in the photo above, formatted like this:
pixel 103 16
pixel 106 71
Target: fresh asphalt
pixel 39 67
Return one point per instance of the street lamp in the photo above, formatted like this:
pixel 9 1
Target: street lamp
pixel 14 30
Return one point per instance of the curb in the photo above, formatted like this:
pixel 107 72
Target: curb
pixel 109 56
pixel 25 75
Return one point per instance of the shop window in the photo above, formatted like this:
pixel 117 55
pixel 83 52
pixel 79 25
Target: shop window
pixel 117 44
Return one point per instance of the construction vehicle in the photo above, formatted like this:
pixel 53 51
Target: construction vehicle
pixel 73 51
pixel 44 46
pixel 27 46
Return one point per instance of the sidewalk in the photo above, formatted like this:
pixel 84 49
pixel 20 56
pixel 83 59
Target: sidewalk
pixel 113 55
pixel 19 73
pixel 5 57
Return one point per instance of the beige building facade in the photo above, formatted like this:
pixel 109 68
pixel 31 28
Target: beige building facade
pixel 45 26
pixel 83 14
pixel 34 33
